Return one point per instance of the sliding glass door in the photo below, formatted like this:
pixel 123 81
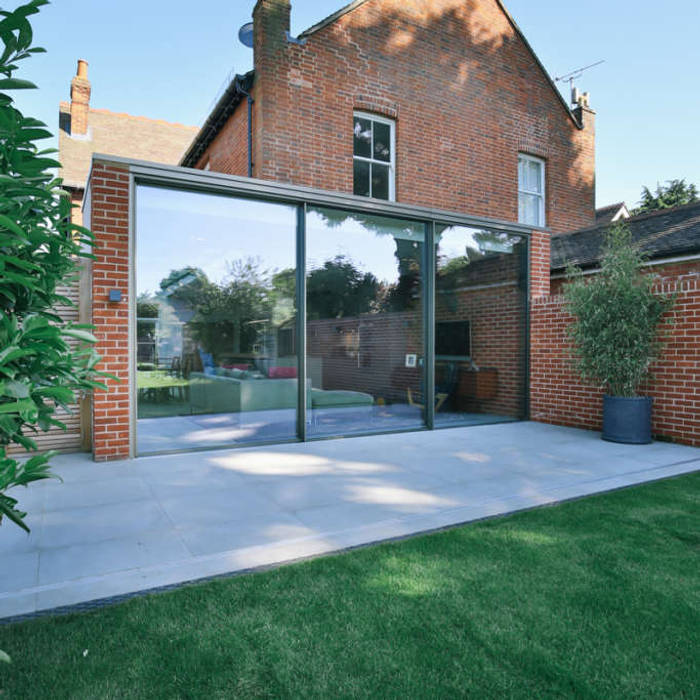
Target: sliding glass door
pixel 405 323
pixel 480 325
pixel 215 320
pixel 364 328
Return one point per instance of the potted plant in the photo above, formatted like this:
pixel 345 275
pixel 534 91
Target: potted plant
pixel 616 333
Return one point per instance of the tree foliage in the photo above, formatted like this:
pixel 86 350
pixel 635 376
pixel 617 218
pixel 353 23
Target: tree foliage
pixel 617 317
pixel 40 368
pixel 339 290
pixel 673 194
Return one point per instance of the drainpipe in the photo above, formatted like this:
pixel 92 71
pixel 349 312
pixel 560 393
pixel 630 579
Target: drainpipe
pixel 250 101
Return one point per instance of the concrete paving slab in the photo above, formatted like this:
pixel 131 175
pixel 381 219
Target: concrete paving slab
pixel 118 528
pixel 19 570
pixel 98 558
pixel 101 523
pixel 95 493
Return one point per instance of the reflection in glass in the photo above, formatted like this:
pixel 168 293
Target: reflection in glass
pixel 382 141
pixel 364 322
pixel 480 314
pixel 361 178
pixel 362 144
pixel 380 181
pixel 215 322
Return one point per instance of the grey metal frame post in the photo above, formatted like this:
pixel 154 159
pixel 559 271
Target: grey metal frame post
pixel 429 324
pixel 301 321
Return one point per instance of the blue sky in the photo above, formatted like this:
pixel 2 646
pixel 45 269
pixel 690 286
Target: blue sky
pixel 157 58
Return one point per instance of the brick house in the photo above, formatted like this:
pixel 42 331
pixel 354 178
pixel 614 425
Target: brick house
pixel 457 83
pixel 410 162
pixel 82 131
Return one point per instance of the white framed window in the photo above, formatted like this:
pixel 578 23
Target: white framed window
pixel 531 195
pixel 374 156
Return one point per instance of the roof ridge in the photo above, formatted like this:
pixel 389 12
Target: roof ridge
pixel 611 206
pixel 631 219
pixel 65 106
pixel 142 118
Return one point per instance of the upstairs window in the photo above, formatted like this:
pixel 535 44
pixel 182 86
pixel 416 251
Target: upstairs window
pixel 373 156
pixel 530 190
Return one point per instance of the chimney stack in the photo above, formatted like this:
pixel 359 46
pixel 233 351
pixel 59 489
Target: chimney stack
pixel 80 100
pixel 271 24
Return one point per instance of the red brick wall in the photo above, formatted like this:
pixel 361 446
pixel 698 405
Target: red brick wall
pixel 109 221
pixel 488 294
pixel 540 265
pixel 466 93
pixel 382 341
pixel 558 396
pixel 228 152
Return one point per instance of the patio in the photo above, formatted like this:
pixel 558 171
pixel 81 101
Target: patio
pixel 117 528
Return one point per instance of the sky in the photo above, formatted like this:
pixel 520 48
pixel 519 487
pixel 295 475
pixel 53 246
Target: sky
pixel 200 227
pixel 160 59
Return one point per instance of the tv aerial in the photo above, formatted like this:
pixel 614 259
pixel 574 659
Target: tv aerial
pixel 577 99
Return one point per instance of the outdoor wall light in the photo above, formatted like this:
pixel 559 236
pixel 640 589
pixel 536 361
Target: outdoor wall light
pixel 115 295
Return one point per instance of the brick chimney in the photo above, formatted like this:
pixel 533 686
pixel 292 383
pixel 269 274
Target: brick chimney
pixel 79 100
pixel 271 21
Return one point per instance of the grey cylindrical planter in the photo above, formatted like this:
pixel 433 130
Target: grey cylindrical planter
pixel 627 419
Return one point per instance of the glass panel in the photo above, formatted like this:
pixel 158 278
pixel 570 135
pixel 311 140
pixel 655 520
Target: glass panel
pixel 380 181
pixel 480 322
pixel 362 141
pixel 521 208
pixel 216 284
pixel 361 178
pixel 365 322
pixel 521 174
pixel 382 141
pixel 529 209
pixel 534 180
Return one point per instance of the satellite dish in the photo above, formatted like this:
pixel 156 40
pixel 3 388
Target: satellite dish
pixel 245 35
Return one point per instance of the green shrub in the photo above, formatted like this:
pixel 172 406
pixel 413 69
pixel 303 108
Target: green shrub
pixel 617 317
pixel 40 250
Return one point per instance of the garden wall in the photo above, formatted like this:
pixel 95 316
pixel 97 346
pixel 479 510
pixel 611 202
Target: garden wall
pixel 557 395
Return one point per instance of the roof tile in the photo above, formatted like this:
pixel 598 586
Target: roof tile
pixel 659 234
pixel 119 134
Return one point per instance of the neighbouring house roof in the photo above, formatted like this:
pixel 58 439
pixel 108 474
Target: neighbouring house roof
pixel 238 88
pixel 117 134
pixel 660 234
pixel 610 213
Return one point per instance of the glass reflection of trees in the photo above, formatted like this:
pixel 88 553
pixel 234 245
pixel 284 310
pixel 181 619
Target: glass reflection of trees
pixel 238 315
pixel 490 251
pixel 339 289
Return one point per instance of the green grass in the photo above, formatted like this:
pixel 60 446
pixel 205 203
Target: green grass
pixel 598 598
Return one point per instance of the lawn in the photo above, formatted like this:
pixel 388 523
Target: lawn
pixel 594 598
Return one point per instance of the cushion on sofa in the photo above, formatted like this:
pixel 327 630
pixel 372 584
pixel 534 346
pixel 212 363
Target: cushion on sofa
pixel 282 373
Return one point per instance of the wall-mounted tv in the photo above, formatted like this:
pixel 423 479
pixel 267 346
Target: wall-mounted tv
pixel 453 340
